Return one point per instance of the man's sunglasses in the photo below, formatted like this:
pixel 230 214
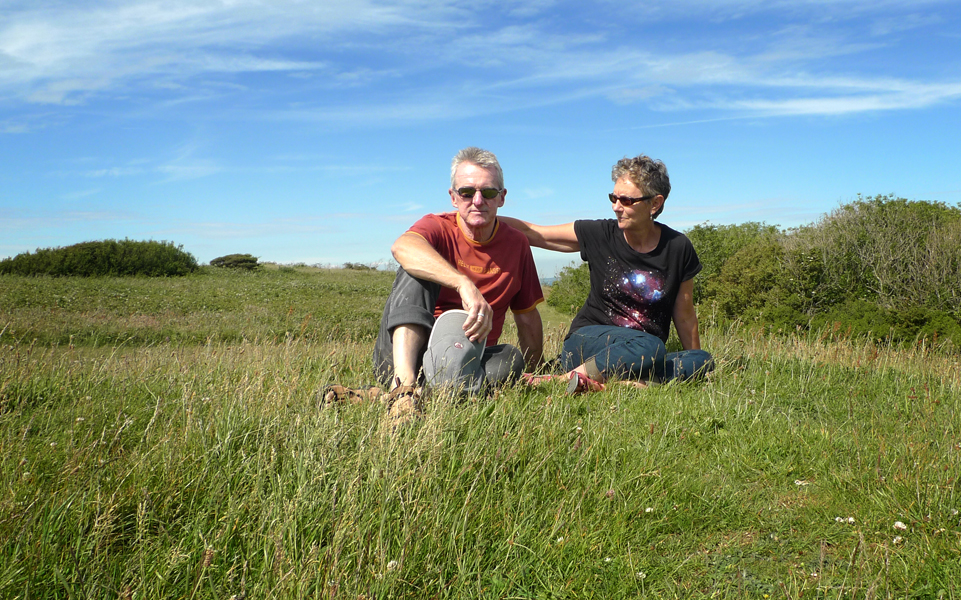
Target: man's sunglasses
pixel 627 200
pixel 487 193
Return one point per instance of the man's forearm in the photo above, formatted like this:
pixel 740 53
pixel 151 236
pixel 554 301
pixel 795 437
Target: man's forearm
pixel 422 260
pixel 530 337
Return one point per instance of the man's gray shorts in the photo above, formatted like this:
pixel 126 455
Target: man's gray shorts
pixel 412 302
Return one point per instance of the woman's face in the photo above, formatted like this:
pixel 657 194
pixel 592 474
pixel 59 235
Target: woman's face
pixel 631 216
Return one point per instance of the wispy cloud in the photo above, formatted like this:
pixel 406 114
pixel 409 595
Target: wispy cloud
pixel 13 127
pixel 18 218
pixel 453 59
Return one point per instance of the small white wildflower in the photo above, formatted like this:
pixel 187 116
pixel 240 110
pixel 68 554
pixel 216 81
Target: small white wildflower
pixel 641 575
pixel 560 539
pixel 851 520
pixel 392 565
pixel 649 509
pixel 839 519
pixel 801 482
pixel 80 419
pixel 578 429
pixel 53 444
pixel 900 526
pixel 814 574
pixel 897 539
pixel 954 512
pixel 608 559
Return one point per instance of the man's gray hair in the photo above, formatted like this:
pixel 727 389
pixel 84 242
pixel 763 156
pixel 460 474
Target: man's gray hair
pixel 482 158
pixel 649 175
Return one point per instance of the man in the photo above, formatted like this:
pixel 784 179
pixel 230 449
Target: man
pixel 466 259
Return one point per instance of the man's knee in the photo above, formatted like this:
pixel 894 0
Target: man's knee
pixel 505 363
pixel 411 302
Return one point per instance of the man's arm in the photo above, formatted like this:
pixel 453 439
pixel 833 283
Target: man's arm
pixel 530 337
pixel 685 317
pixel 560 238
pixel 421 260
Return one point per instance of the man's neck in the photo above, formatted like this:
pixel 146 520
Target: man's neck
pixel 479 235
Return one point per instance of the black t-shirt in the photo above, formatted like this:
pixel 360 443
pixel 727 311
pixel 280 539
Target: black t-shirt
pixel 631 288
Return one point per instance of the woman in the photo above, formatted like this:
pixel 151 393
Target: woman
pixel 641 274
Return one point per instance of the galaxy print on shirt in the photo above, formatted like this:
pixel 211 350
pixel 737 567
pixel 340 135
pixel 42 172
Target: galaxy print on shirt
pixel 634 297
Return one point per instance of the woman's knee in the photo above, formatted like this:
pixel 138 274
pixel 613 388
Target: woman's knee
pixel 689 364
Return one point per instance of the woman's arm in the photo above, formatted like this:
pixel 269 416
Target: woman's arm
pixel 685 317
pixel 560 238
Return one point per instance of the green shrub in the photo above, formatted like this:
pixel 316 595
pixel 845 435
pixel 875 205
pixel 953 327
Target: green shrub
pixel 885 266
pixel 715 244
pixel 749 280
pixel 888 250
pixel 862 318
pixel 235 261
pixel 570 289
pixel 104 258
pixel 358 267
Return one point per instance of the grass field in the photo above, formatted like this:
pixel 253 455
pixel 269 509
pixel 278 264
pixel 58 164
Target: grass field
pixel 164 439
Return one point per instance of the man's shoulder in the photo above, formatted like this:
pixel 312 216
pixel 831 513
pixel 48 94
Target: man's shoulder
pixel 439 218
pixel 434 222
pixel 506 233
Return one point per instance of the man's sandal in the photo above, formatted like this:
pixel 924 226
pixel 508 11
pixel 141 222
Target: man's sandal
pixel 403 405
pixel 338 394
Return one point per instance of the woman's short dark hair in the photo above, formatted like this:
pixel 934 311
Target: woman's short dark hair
pixel 648 174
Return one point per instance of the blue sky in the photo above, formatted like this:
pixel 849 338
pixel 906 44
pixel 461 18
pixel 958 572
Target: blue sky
pixel 317 132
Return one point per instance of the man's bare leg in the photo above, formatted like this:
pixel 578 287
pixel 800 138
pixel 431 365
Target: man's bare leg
pixel 409 341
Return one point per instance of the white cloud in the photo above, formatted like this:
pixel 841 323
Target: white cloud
pixel 447 60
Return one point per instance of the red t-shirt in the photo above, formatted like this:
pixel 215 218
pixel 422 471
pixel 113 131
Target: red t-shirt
pixel 502 268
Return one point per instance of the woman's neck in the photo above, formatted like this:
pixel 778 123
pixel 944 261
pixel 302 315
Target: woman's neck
pixel 644 239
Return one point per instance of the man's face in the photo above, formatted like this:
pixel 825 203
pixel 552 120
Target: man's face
pixel 478 213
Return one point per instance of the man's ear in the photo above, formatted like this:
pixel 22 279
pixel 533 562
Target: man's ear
pixel 503 197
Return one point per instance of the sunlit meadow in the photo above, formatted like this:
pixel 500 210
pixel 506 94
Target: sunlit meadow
pixel 165 439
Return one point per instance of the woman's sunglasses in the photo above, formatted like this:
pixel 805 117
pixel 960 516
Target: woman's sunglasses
pixel 627 200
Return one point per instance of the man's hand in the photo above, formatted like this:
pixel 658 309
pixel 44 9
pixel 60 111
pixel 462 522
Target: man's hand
pixel 422 260
pixel 480 317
